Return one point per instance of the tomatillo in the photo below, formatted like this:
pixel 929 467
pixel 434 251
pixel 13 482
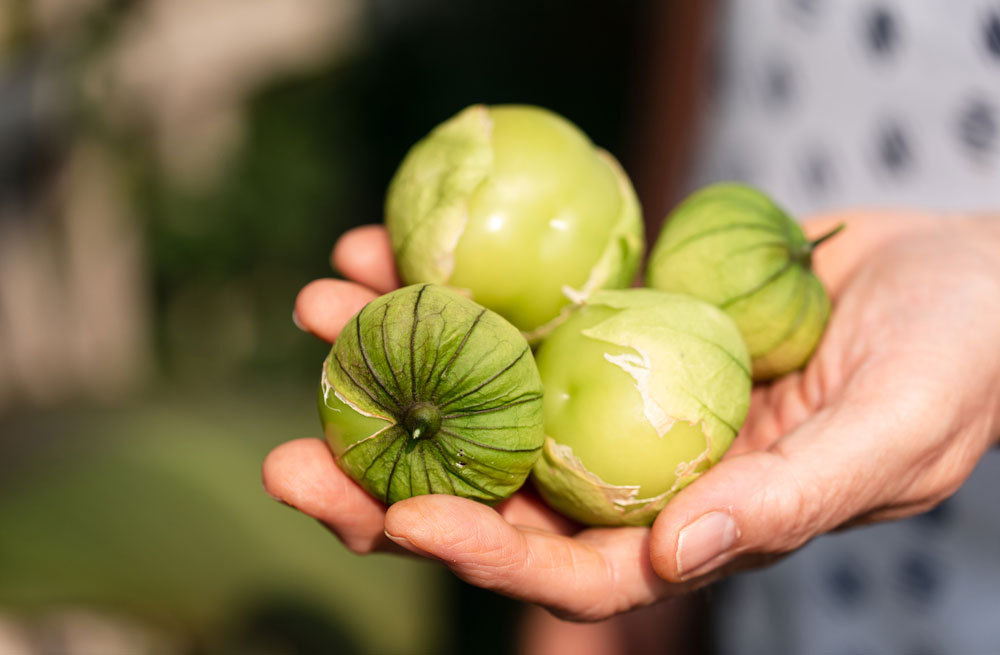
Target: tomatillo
pixel 732 246
pixel 427 392
pixel 644 391
pixel 514 205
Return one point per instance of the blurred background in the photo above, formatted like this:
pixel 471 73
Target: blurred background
pixel 171 173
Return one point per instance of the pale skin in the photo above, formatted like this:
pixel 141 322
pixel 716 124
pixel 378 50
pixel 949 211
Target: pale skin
pixel 888 419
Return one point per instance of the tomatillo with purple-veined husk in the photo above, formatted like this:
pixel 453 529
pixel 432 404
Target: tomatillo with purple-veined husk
pixel 427 392
pixel 731 245
pixel 516 207
pixel 644 391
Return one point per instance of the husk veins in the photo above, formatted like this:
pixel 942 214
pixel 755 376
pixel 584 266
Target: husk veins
pixel 730 245
pixel 456 386
pixel 427 201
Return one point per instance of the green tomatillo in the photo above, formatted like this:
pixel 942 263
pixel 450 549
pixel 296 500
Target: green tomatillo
pixel 515 206
pixel 730 245
pixel 644 390
pixel 427 392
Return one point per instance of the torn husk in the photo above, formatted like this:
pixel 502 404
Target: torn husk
pixel 570 488
pixel 688 375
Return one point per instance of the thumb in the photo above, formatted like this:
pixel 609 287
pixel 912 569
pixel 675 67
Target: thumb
pixel 837 465
pixel 597 574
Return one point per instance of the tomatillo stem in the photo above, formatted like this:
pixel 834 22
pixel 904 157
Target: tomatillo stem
pixel 422 420
pixel 803 254
pixel 831 233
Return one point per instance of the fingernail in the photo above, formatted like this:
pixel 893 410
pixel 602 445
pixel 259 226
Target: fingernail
pixel 705 543
pixel 403 542
pixel 298 323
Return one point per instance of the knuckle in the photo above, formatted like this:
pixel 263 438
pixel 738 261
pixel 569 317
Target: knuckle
pixel 798 505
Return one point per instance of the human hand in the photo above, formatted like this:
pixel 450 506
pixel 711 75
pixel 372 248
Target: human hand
pixel 521 548
pixel 888 419
pixel 917 426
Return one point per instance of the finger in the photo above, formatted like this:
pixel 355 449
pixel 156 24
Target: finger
pixel 364 255
pixel 527 510
pixel 756 431
pixel 838 465
pixel 599 573
pixel 303 474
pixel 324 306
pixel 777 408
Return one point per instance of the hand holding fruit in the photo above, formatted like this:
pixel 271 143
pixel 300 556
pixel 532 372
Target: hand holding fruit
pixel 427 392
pixel 888 418
pixel 521 548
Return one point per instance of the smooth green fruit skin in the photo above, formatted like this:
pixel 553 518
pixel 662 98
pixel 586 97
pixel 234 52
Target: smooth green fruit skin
pixel 515 205
pixel 730 245
pixel 696 372
pixel 427 392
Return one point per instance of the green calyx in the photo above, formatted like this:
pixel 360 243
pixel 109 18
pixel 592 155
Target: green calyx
pixel 730 245
pixel 803 254
pixel 427 392
pixel 422 420
pixel 516 207
pixel 426 205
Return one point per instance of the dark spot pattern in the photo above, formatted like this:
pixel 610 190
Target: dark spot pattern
pixel 817 172
pixel 898 53
pixel 977 127
pixel 894 151
pixel 920 578
pixel 778 84
pixel 846 583
pixel 938 518
pixel 805 12
pixel 809 7
pixel 881 32
pixel 991 32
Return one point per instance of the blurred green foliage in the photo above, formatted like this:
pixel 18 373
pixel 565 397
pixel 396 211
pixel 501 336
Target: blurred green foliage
pixel 232 257
pixel 320 150
pixel 156 507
